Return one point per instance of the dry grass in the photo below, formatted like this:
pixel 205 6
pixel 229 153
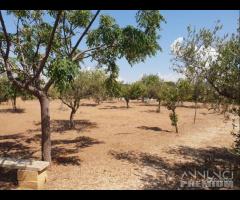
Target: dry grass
pixel 113 147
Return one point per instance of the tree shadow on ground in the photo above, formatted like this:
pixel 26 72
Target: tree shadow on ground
pixel 153 128
pixel 111 102
pixel 14 146
pixel 80 142
pixel 190 106
pixel 64 151
pixel 20 146
pixel 12 136
pixel 8 179
pixel 69 156
pixel 10 110
pixel 35 138
pixel 113 107
pixel 151 111
pixel 146 104
pixel 64 125
pixel 63 156
pixel 203 113
pixel 89 104
pixel 168 175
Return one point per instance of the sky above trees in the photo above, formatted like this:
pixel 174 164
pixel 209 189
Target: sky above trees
pixel 176 27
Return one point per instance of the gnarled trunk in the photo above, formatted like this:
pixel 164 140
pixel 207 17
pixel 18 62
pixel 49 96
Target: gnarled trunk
pixel 72 118
pixel 45 125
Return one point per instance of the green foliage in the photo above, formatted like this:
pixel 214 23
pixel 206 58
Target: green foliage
pixel 26 96
pixel 174 119
pixel 77 89
pixel 8 91
pixel 63 72
pixel 53 93
pixel 212 61
pixel 131 91
pixel 79 18
pixel 135 44
pixel 4 88
pixel 204 55
pixel 48 46
pixel 151 79
pixel 171 99
pixel 113 87
pixel 185 90
pixel 98 85
pixel 152 84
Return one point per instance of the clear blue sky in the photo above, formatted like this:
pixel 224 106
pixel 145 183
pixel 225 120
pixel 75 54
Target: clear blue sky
pixel 177 22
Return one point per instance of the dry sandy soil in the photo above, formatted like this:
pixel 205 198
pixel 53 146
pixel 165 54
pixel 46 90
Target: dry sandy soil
pixel 117 148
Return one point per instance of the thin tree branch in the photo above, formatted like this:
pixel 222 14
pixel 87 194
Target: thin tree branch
pixel 48 49
pixel 64 102
pixel 5 35
pixel 64 33
pixel 84 33
pixel 48 85
pixel 75 58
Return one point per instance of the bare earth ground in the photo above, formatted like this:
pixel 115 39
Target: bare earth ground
pixel 117 148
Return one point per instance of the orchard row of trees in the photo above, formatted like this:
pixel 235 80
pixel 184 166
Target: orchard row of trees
pixel 93 84
pixel 46 48
pixel 207 56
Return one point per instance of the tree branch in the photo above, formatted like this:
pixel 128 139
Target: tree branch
pixel 48 85
pixel 48 49
pixel 75 58
pixel 5 35
pixel 64 102
pixel 225 93
pixel 84 33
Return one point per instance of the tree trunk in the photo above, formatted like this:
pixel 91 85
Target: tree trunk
pixel 127 101
pixel 14 105
pixel 142 99
pixel 195 112
pixel 159 107
pixel 72 118
pixel 175 116
pixel 176 126
pixel 45 125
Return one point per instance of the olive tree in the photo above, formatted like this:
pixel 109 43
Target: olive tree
pixel 171 101
pixel 8 91
pixel 3 89
pixel 185 90
pixel 40 40
pixel 76 90
pixel 216 58
pixel 191 54
pixel 98 85
pixel 131 92
pixel 150 82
